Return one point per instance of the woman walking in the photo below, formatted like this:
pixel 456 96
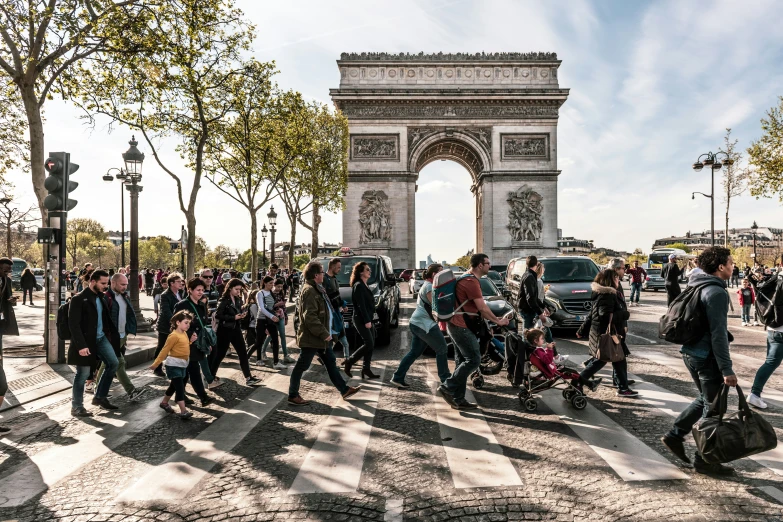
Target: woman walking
pixel 229 315
pixel 27 282
pixel 363 311
pixel 425 332
pixel 606 315
pixel 266 322
pixel 279 297
pixel 251 307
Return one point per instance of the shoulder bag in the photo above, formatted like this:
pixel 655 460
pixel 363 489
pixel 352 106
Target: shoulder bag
pixel 609 347
pixel 207 338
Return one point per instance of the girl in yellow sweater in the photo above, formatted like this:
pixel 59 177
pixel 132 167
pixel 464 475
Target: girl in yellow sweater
pixel 175 354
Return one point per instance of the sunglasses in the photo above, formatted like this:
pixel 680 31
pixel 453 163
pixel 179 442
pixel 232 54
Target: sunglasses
pixel 207 277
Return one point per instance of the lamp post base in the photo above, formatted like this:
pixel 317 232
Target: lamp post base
pixel 142 325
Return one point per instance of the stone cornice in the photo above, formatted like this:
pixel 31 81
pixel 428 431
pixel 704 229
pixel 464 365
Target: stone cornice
pixel 416 92
pixel 450 57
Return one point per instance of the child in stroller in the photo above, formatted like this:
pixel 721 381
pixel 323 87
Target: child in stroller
pixel 528 353
pixel 493 354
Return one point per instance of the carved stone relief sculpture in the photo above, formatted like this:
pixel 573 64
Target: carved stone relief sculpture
pixel 524 215
pixel 375 147
pixel 531 146
pixel 374 217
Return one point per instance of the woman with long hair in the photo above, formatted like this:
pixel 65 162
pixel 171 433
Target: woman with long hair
pixel 363 312
pixel 251 307
pixel 266 323
pixel 229 315
pixel 27 282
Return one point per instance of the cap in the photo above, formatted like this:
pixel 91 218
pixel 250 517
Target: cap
pixel 672 256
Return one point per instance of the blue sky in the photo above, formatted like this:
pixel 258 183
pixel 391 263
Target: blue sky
pixel 653 85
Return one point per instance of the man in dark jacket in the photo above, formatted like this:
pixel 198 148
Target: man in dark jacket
pixel 708 360
pixel 168 300
pixel 529 306
pixel 124 318
pixel 8 324
pixel 314 334
pixel 671 275
pixel 92 335
pixel 211 293
pixel 332 287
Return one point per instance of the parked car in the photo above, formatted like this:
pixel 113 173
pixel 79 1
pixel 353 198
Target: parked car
pixel 39 278
pixel 567 283
pixel 382 283
pixel 653 281
pixel 406 274
pixel 498 280
pixel 416 282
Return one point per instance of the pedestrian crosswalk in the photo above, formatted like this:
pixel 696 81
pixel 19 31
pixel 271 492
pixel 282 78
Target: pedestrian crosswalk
pixel 336 459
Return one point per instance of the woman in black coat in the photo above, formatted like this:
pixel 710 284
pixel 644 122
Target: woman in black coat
pixel 229 314
pixel 28 283
pixel 606 308
pixel 363 312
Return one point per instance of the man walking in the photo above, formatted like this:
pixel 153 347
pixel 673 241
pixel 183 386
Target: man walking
pixel 529 306
pixel 211 294
pixel 92 333
pixel 8 324
pixel 463 329
pixel 637 278
pixel 314 335
pixel 124 319
pixel 332 287
pixel 708 360
pixel 168 300
pixel 671 275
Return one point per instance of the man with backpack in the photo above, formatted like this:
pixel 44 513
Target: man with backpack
pixel 704 306
pixel 464 327
pixel 769 307
pixel 529 306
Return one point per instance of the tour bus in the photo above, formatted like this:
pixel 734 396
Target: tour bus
pixel 660 256
pixel 16 271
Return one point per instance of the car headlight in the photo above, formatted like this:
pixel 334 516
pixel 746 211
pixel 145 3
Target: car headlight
pixel 554 301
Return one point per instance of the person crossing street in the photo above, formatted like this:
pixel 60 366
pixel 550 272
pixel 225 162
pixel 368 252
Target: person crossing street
pixel 637 274
pixel 671 275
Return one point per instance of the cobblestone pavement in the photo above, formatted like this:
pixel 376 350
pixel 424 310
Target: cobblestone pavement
pixel 400 466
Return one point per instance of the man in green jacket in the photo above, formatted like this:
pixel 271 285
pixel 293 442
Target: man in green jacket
pixel 314 334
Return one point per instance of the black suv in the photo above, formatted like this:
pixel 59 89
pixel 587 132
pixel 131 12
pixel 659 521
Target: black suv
pixel 382 283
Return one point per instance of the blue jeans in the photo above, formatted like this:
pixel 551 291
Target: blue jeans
pixel 303 363
pixel 636 289
pixel 708 378
pixel 419 341
pixel 774 357
pixel 77 397
pixel 529 318
pixel 104 351
pixel 281 334
pixel 467 356
pixel 746 315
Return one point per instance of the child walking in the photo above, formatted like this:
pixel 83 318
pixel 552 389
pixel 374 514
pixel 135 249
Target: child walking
pixel 746 299
pixel 176 353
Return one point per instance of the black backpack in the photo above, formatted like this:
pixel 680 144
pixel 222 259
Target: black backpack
pixel 63 330
pixel 686 321
pixel 769 302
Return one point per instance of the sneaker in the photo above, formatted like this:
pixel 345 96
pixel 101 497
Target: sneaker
pixel 280 366
pixel 744 324
pixel 80 412
pixel 166 407
pixel 755 400
pixel 136 393
pixel 462 404
pixel 710 469
pixel 289 360
pixel 677 447
pixel 447 395
pixel 186 415
pixel 206 401
pixel 352 390
pixel 755 323
pixel 627 393
pixel 252 381
pixel 299 401
pixel 215 383
pixel 400 384
pixel 104 403
pixel 90 387
pixel 561 359
pixel 592 385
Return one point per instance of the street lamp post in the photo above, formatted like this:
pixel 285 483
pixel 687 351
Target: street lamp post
pixel 121 177
pixel 100 248
pixel 263 252
pixel 134 159
pixel 754 228
pixel 713 161
pixel 272 222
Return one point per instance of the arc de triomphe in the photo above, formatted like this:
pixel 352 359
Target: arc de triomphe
pixel 495 114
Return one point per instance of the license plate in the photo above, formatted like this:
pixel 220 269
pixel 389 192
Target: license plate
pixel 347 325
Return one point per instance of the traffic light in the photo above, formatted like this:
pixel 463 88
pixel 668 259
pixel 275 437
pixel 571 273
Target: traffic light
pixel 58 182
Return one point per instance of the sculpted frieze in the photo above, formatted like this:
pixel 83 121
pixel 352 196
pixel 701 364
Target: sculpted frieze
pixel 524 215
pixel 457 57
pixel 374 217
pixel 524 146
pixel 375 147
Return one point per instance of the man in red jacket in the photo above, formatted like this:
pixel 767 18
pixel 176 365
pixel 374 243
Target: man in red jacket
pixel 637 274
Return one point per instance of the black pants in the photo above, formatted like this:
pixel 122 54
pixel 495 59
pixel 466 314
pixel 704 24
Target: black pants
pixel 366 349
pixel 25 292
pixel 672 291
pixel 262 328
pixel 176 388
pixel 194 376
pixel 232 336
pixel 620 372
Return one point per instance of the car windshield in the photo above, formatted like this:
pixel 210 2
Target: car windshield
pixel 494 275
pixel 344 277
pixel 488 288
pixel 569 270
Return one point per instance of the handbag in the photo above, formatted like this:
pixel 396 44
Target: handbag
pixel 723 438
pixel 207 339
pixel 609 347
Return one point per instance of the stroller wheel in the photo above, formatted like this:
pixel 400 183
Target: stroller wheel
pixel 579 402
pixel 568 393
pixel 478 382
pixel 523 394
pixel 531 404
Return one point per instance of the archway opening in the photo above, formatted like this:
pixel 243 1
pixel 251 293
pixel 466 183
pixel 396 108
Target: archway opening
pixel 445 212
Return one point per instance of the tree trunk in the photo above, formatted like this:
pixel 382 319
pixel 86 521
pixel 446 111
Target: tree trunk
pixel 316 224
pixel 36 133
pixel 8 240
pixel 190 215
pixel 253 244
pixel 291 246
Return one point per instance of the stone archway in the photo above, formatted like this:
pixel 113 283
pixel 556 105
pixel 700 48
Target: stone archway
pixel 495 114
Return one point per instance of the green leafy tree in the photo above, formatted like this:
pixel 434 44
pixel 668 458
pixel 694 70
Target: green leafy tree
pixel 243 262
pixel 463 261
pixel 13 129
pixel 82 232
pixel 154 252
pixel 254 145
pixel 177 89
pixel 301 261
pixel 765 156
pixel 12 217
pixel 638 255
pixel 99 253
pixel 42 42
pixel 734 179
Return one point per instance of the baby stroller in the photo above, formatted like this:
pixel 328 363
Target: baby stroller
pixel 492 354
pixel 523 359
